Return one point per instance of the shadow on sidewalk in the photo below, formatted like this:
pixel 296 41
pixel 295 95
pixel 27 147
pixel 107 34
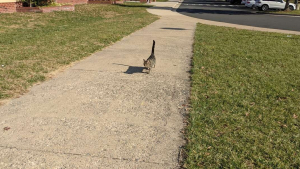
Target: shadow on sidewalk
pixel 132 69
pixel 180 29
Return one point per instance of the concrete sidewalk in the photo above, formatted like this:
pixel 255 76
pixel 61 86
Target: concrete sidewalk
pixel 103 112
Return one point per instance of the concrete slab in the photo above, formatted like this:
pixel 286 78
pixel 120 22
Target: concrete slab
pixel 105 111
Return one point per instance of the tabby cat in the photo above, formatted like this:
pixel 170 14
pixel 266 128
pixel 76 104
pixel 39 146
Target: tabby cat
pixel 150 62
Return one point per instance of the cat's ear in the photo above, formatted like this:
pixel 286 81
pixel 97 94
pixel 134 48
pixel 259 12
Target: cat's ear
pixel 144 60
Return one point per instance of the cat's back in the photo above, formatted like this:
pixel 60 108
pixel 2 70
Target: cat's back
pixel 152 58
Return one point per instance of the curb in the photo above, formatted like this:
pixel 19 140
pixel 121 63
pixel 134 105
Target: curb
pixel 176 6
pixel 277 14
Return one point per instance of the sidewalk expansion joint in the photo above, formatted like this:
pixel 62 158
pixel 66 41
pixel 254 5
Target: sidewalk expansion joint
pixel 87 70
pixel 86 155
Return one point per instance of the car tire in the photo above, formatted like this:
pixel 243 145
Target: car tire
pixel 291 8
pixel 264 7
pixel 253 7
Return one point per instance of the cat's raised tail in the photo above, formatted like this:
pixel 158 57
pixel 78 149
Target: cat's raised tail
pixel 153 46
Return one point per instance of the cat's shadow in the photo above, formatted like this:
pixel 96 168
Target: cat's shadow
pixel 132 69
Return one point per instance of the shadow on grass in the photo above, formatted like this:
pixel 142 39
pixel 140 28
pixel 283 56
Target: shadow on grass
pixel 134 5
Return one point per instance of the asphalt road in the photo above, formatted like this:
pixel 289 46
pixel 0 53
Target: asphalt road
pixel 237 14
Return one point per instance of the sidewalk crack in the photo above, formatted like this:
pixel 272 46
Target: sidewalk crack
pixel 89 70
pixel 86 155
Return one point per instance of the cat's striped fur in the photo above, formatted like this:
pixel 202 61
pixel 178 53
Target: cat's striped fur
pixel 150 62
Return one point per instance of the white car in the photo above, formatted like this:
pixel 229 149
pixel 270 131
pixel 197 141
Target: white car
pixel 250 4
pixel 243 2
pixel 264 5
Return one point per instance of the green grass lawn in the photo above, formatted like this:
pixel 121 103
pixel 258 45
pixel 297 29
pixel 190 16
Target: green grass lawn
pixel 245 100
pixel 34 44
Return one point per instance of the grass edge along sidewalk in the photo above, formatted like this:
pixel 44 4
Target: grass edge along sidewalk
pixel 33 45
pixel 245 100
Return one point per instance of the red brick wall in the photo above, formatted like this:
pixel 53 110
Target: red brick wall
pixel 29 9
pixel 47 9
pixel 68 8
pixel 17 7
pixel 50 9
pixel 19 4
pixel 72 1
pixel 144 1
pixel 8 7
pixel 58 8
